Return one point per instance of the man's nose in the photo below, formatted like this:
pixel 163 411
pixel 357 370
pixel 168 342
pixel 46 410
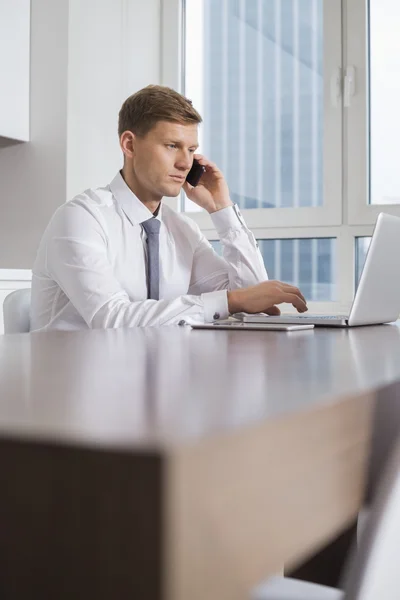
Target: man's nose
pixel 184 161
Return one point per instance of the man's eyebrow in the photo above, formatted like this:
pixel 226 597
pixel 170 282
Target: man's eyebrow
pixel 178 143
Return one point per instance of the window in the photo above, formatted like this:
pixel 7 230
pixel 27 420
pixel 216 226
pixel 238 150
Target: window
pixel 384 123
pixel 299 121
pixel 372 121
pixel 261 96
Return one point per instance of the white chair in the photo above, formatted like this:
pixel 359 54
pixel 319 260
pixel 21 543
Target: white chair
pixel 16 308
pixel 373 571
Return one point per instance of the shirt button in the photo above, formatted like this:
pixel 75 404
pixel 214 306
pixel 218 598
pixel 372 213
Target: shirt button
pixel 182 322
pixel 216 316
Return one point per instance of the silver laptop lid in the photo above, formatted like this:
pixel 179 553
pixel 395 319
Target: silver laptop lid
pixel 378 294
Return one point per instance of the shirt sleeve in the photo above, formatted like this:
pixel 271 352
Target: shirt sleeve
pixel 241 264
pixel 77 260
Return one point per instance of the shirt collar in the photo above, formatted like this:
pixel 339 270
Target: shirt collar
pixel 134 209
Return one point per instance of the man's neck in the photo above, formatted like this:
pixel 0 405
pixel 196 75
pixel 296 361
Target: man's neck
pixel 149 200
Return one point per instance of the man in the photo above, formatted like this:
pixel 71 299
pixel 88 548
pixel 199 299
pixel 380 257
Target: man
pixel 117 257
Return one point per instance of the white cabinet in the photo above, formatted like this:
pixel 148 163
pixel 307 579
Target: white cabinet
pixel 14 69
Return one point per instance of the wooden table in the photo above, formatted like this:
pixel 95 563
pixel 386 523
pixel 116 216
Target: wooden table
pixel 173 464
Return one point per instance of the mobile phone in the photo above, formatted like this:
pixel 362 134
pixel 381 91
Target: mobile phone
pixel 195 173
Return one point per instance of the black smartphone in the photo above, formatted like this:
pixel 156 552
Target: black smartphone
pixel 195 173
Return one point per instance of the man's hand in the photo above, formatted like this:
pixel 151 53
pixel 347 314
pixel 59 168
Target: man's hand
pixel 264 296
pixel 212 192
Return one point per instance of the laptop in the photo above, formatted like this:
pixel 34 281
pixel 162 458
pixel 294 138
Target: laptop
pixel 377 299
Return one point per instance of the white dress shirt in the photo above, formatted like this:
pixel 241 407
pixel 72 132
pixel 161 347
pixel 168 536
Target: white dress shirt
pixel 90 269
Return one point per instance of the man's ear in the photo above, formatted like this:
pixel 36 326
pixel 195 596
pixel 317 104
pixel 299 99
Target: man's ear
pixel 127 143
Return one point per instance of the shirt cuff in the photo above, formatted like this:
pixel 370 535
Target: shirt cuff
pixel 215 305
pixel 228 218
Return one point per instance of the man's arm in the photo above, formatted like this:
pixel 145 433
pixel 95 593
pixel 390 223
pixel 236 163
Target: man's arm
pixel 241 265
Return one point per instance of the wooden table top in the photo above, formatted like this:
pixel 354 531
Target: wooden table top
pixel 157 387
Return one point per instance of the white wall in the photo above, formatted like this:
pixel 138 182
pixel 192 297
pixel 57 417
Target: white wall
pixel 114 50
pixel 87 56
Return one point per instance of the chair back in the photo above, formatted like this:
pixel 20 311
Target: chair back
pixel 16 308
pixel 374 571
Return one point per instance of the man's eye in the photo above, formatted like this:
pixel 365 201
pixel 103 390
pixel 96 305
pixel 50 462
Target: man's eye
pixel 171 145
pixel 192 150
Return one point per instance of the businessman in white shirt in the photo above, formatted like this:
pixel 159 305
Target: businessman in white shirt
pixel 116 256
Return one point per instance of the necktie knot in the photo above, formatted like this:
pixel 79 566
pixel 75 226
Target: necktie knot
pixel 152 226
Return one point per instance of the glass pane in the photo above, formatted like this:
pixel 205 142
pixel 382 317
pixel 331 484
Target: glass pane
pixel 362 245
pixel 254 70
pixel 306 263
pixel 384 41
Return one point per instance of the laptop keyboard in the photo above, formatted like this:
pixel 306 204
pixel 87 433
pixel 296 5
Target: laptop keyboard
pixel 328 317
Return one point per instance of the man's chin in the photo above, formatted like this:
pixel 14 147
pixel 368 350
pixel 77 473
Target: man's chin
pixel 172 190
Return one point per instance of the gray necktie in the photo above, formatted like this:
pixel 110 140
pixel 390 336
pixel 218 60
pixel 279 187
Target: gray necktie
pixel 152 228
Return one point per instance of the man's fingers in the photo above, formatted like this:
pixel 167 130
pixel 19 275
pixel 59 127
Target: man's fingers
pixel 291 289
pixel 187 188
pixel 210 166
pixel 295 300
pixel 273 311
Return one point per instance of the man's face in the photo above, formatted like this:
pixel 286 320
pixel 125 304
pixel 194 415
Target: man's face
pixel 162 158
